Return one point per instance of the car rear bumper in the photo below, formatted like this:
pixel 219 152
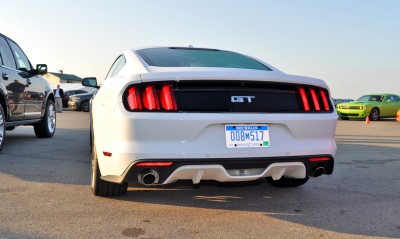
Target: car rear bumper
pixel 127 138
pixel 225 170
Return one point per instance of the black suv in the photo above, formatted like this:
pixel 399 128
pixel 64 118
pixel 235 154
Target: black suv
pixel 26 98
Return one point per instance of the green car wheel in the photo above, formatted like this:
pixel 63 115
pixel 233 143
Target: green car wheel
pixel 374 115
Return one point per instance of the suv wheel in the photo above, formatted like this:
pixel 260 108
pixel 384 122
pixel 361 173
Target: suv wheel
pixel 2 127
pixel 101 187
pixel 47 126
pixel 287 182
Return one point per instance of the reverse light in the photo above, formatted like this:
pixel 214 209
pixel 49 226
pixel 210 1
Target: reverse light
pixel 154 164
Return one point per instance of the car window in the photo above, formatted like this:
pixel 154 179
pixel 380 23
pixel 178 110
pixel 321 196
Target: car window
pixel 6 55
pixel 116 67
pixel 392 98
pixel 198 57
pixel 21 59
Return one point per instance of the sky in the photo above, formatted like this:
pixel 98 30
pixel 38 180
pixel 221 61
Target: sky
pixel 353 45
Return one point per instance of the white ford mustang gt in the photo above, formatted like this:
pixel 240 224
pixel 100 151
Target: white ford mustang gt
pixel 181 113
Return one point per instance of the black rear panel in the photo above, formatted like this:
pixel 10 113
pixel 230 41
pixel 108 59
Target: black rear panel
pixel 237 97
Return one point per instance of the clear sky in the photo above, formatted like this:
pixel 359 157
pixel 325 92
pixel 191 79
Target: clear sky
pixel 354 45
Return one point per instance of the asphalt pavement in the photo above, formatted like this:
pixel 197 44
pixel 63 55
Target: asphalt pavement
pixel 45 193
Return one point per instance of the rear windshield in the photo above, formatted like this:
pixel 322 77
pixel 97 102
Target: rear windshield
pixel 198 57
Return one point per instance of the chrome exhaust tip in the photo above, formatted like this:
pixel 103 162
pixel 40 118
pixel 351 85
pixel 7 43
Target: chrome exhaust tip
pixel 318 172
pixel 148 177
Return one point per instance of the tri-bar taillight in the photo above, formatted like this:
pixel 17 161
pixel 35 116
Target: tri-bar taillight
pixel 154 97
pixel 314 99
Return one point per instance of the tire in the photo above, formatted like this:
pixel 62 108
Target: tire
pixel 287 182
pixel 374 114
pixel 103 188
pixel 2 127
pixel 47 126
pixel 85 106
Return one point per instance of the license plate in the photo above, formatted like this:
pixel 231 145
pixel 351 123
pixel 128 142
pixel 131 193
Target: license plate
pixel 247 136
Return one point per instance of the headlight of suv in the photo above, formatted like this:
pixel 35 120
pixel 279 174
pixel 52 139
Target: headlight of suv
pixel 74 98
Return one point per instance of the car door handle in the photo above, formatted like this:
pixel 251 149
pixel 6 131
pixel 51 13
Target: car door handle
pixel 5 76
pixel 28 81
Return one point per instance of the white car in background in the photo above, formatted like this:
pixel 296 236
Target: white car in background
pixel 181 113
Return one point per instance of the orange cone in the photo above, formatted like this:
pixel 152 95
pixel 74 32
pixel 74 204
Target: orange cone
pixel 367 120
pixel 398 116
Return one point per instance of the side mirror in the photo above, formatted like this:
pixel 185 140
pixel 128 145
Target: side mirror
pixel 41 69
pixel 90 81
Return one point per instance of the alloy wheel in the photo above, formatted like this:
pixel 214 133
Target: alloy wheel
pixel 51 118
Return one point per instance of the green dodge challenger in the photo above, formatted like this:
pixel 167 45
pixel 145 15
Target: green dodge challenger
pixel 375 106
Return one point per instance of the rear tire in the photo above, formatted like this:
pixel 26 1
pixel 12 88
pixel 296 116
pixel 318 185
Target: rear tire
pixel 47 126
pixel 103 188
pixel 2 127
pixel 287 182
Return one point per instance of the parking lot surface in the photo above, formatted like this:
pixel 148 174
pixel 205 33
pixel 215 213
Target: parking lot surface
pixel 45 193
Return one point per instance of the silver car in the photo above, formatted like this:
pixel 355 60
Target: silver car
pixel 182 113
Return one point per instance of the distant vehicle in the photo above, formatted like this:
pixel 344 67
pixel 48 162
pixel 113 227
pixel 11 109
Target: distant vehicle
pixel 375 106
pixel 338 101
pixel 26 98
pixel 81 101
pixel 68 93
pixel 182 113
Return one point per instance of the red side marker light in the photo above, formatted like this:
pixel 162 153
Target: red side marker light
pixel 319 159
pixel 107 154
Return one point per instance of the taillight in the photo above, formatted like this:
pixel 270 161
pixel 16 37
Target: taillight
pixel 314 99
pixel 167 98
pixel 304 99
pixel 150 98
pixel 325 100
pixel 133 99
pixel 155 97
